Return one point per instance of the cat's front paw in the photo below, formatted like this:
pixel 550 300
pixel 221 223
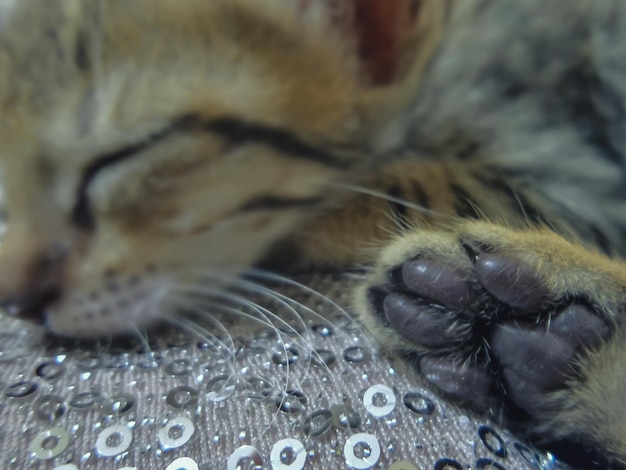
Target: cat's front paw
pixel 491 316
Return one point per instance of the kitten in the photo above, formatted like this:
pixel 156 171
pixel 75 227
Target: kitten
pixel 478 144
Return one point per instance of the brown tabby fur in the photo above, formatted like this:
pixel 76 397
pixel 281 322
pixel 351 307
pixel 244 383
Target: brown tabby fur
pixel 143 141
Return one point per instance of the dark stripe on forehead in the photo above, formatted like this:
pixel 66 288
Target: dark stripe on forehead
pixel 236 132
pixel 240 132
pixel 81 215
pixel 275 203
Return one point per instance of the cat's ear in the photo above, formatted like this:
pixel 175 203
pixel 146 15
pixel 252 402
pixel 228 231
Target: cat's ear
pixel 382 29
pixel 387 37
pixel 394 41
pixel 393 36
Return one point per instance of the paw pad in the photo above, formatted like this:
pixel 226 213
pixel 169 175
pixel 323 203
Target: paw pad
pixel 488 329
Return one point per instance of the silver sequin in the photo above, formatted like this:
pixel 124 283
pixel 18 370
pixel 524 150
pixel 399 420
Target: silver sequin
pixel 113 440
pixel 379 400
pixel 361 451
pixel 49 443
pixel 288 454
pixel 181 425
pixel 243 453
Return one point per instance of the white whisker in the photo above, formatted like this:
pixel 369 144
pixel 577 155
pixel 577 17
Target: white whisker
pixel 287 302
pixel 268 318
pixel 266 322
pixel 192 308
pixel 103 346
pixel 264 312
pixel 387 197
pixel 142 336
pixel 203 333
pixel 268 276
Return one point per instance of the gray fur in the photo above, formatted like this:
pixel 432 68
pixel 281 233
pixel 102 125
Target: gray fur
pixel 539 86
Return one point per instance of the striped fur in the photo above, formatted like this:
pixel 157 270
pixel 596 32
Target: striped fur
pixel 143 140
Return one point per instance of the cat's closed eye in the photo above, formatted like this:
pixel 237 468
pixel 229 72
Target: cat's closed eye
pixel 81 215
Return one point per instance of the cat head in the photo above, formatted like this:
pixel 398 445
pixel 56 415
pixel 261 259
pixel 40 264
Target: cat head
pixel 143 142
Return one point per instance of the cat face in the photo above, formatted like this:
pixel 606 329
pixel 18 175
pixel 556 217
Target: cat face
pixel 144 142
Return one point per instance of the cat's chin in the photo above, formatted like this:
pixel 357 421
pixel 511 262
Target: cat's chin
pixel 93 315
pixel 61 324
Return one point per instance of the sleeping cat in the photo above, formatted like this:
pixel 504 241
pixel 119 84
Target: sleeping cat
pixel 470 153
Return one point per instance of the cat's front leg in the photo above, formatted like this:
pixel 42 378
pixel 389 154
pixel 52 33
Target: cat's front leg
pixel 519 318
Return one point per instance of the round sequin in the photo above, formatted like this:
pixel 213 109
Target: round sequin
pixel 492 441
pixel 418 403
pixel 49 443
pixel 182 397
pixel 220 388
pixel 176 432
pixel 323 358
pixel 528 455
pixel 285 357
pixel 116 361
pixel 119 405
pixel 149 361
pixel 288 454
pixel 50 370
pixel 21 389
pixel 379 400
pixel 361 451
pixel 206 345
pixel 88 363
pixel 49 407
pixel 179 367
pixel 259 386
pixel 184 463
pixel 317 423
pixel 244 453
pixel 488 464
pixel 448 464
pixel 356 354
pixel 85 400
pixel 345 417
pixel 291 401
pixel 217 365
pixel 323 330
pixel 113 440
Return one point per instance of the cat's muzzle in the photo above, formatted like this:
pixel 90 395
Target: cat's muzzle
pixel 32 306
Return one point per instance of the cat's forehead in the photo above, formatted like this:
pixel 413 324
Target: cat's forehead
pixel 45 46
pixel 84 65
pixel 83 30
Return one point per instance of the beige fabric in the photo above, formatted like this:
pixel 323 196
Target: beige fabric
pixel 138 396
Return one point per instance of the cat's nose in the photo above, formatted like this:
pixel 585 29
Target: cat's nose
pixel 32 305
pixel 30 298
pixel 30 277
pixel 38 289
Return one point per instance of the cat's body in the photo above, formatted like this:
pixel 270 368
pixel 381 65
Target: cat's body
pixel 144 142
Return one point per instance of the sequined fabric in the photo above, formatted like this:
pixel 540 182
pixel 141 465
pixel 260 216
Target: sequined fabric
pixel 304 389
